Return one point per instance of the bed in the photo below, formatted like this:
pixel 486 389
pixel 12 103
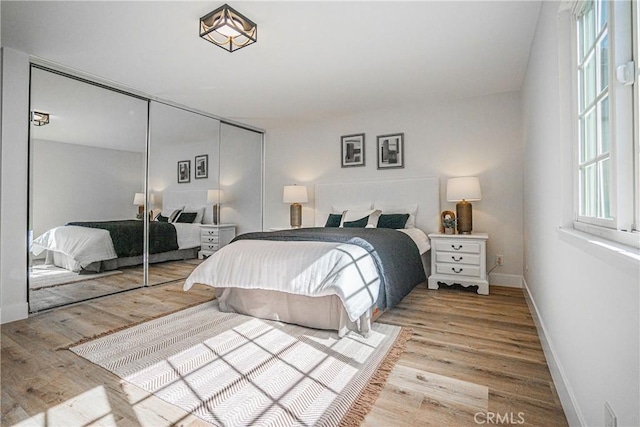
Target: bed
pixel 108 245
pixel 336 278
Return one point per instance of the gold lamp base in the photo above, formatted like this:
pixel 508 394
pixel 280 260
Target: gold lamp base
pixel 465 217
pixel 296 215
pixel 216 214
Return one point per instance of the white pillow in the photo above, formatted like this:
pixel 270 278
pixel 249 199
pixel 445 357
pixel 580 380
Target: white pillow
pixel 338 209
pixel 172 212
pixel 199 211
pixel 354 215
pixel 388 208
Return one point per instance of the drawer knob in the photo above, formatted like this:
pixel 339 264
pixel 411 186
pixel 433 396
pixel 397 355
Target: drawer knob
pixel 456 248
pixel 457 271
pixel 456 260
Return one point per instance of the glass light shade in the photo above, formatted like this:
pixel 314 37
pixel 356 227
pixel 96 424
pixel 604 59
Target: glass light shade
pixel 39 119
pixel 463 188
pixel 229 29
pixel 295 194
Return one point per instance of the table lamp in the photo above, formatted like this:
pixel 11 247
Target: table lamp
pixel 463 190
pixel 295 194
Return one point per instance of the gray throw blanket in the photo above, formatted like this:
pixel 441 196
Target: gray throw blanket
pixel 396 256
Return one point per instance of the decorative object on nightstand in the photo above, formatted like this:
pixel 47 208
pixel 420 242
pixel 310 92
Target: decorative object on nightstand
pixel 215 197
pixel 448 220
pixel 213 237
pixel 295 194
pixel 459 259
pixel 463 190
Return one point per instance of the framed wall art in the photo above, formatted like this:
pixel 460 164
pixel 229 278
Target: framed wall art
pixel 391 151
pixel 184 171
pixel 201 166
pixel 352 150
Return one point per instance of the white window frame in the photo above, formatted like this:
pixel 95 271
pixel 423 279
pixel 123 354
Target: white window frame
pixel 624 148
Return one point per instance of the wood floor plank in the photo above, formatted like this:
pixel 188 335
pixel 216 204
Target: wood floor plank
pixel 470 357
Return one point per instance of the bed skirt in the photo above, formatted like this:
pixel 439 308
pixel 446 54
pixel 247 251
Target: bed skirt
pixel 326 312
pixel 61 260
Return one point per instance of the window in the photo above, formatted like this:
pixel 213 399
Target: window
pixel 607 163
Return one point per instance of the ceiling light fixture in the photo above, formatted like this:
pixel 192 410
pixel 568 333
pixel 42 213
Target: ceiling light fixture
pixel 229 29
pixel 39 119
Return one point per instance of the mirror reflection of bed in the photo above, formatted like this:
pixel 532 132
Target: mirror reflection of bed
pixel 88 259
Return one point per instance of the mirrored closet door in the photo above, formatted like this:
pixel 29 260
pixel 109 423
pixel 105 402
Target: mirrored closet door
pixel 125 192
pixel 86 172
pixel 184 165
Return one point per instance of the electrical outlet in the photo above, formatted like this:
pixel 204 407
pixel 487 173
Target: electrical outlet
pixel 499 259
pixel 610 419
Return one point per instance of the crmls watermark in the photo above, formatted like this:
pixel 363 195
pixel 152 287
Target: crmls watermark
pixel 498 418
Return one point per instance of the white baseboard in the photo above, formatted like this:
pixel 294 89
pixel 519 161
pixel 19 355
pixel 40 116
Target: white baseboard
pixel 567 398
pixel 11 313
pixel 508 280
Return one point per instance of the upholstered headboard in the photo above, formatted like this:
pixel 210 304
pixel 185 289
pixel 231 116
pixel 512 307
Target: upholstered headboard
pixel 190 199
pixel 425 192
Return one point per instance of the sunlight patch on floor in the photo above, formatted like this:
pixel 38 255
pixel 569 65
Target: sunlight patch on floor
pixel 89 408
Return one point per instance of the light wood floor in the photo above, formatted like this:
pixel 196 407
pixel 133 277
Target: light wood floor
pixel 131 278
pixel 472 358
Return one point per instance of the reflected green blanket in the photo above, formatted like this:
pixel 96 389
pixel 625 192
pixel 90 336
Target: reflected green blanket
pixel 128 236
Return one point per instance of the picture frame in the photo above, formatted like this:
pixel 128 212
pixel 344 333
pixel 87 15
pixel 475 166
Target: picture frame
pixel 391 151
pixel 184 171
pixel 352 150
pixel 201 166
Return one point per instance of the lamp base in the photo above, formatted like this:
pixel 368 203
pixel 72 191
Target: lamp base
pixel 216 214
pixel 465 217
pixel 296 215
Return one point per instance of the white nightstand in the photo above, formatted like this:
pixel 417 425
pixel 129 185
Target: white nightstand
pixel 459 259
pixel 214 237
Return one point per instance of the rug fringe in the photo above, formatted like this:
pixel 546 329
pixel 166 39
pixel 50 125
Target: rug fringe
pixel 131 325
pixel 368 396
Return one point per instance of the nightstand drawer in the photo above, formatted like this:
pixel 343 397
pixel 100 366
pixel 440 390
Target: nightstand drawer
pixel 457 258
pixel 458 246
pixel 210 246
pixel 210 239
pixel 210 233
pixel 458 270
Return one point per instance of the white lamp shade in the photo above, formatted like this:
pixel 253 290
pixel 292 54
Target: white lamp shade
pixel 138 199
pixel 214 196
pixel 295 194
pixel 463 188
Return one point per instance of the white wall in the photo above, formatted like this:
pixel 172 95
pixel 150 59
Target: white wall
pixel 178 135
pixel 588 302
pixel 478 136
pixel 13 205
pixel 241 178
pixel 79 183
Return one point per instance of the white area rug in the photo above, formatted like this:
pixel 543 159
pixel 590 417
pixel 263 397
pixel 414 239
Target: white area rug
pixel 235 370
pixel 47 276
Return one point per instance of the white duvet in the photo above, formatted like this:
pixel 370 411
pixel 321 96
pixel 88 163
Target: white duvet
pixel 302 268
pixel 86 245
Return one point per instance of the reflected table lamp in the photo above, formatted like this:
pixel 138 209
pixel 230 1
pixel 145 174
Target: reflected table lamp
pixel 295 194
pixel 215 197
pixel 139 201
pixel 463 190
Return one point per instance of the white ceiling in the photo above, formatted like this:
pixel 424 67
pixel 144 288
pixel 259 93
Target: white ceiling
pixel 313 59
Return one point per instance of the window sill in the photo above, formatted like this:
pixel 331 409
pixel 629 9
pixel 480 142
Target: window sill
pixel 615 254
